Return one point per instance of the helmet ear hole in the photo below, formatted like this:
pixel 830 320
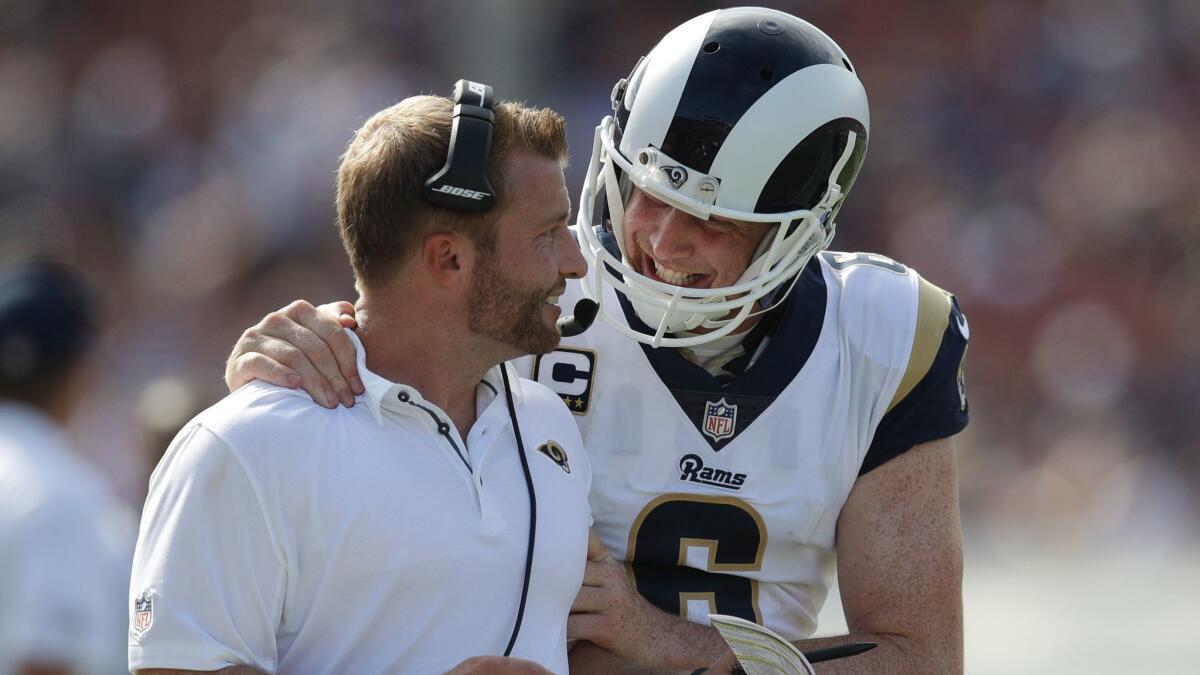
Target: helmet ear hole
pixel 712 47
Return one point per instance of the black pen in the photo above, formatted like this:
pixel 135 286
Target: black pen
pixel 838 652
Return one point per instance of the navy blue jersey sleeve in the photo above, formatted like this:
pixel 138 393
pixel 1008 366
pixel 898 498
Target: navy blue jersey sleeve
pixel 936 407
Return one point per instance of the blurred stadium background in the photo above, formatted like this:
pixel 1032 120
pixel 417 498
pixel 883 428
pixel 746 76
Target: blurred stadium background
pixel 1038 157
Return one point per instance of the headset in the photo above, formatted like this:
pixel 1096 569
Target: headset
pixel 462 185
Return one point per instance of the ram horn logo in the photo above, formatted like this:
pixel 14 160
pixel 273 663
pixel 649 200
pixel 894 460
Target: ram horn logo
pixel 555 452
pixel 676 174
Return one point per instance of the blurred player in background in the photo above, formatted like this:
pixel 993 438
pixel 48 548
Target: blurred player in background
pixel 65 539
pixel 756 407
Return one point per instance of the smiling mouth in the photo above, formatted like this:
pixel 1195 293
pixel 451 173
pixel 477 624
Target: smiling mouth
pixel 659 272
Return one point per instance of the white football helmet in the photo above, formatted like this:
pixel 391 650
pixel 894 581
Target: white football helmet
pixel 746 114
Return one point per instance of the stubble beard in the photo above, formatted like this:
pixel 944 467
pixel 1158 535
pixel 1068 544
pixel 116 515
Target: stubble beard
pixel 507 312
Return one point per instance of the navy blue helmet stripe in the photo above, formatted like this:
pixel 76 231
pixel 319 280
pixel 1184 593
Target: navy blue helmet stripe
pixel 734 51
pixel 802 177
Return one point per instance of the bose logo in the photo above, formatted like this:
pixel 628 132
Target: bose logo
pixel 461 192
pixel 692 470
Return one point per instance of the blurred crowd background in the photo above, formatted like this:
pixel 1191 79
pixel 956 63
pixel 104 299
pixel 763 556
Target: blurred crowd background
pixel 1037 157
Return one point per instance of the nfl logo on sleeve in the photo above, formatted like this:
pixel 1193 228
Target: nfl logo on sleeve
pixel 720 419
pixel 143 614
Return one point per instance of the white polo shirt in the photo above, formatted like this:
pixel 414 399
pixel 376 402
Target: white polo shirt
pixel 65 545
pixel 293 538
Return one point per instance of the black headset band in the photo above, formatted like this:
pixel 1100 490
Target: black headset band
pixel 462 183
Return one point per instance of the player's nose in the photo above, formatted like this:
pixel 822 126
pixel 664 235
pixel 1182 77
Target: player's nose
pixel 670 237
pixel 572 264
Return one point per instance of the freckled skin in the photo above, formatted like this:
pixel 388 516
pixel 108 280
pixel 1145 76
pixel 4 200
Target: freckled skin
pixel 900 562
pixel 717 249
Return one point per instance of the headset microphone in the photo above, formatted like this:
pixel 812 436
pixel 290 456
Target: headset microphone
pixel 581 320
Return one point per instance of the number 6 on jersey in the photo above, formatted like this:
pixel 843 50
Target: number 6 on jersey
pixel 724 534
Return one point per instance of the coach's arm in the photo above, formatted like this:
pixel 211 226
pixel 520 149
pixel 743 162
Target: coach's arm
pixel 899 547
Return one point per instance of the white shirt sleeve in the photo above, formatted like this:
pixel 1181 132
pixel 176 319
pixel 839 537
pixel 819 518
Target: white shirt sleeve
pixel 208 575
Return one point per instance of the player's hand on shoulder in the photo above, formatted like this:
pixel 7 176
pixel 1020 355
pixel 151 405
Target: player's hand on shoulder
pixel 501 665
pixel 608 611
pixel 300 346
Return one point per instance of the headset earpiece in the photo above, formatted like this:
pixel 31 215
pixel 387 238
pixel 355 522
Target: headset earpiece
pixel 462 184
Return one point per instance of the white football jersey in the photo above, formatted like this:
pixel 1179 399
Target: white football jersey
pixel 723 494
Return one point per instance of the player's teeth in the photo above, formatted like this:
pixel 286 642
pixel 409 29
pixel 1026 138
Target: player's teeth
pixel 552 300
pixel 673 276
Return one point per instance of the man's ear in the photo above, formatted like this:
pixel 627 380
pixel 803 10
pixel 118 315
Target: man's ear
pixel 448 258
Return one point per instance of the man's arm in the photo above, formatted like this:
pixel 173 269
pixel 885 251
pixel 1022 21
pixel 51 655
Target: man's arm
pixel 209 572
pixel 588 658
pixel 300 346
pixel 900 565
pixel 899 548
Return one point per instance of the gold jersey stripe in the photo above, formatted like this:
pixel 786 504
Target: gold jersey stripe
pixel 933 315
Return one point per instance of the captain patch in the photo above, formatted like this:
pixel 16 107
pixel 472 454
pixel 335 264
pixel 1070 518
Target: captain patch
pixel 569 373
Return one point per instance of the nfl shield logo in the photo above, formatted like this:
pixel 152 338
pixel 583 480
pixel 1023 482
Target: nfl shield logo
pixel 143 614
pixel 720 419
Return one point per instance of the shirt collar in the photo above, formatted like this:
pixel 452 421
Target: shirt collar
pixel 381 391
pixel 495 380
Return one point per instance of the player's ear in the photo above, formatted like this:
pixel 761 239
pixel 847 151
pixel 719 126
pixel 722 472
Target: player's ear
pixel 448 258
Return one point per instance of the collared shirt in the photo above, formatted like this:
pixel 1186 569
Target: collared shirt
pixel 293 538
pixel 65 544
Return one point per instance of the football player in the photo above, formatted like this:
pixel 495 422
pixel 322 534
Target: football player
pixel 756 407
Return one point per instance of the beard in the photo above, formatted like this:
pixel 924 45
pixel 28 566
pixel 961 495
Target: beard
pixel 508 312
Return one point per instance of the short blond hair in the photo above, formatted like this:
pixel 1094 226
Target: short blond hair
pixel 381 212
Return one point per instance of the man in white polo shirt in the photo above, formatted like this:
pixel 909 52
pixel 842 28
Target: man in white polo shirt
pixel 397 535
